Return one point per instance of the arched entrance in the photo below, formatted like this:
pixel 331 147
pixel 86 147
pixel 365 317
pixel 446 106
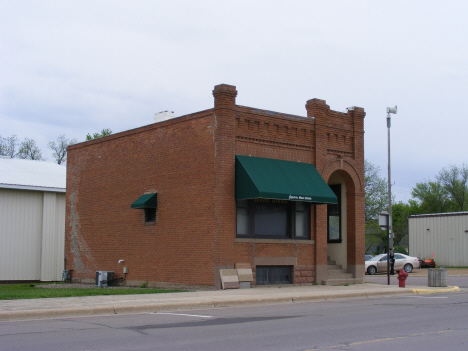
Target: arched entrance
pixel 345 224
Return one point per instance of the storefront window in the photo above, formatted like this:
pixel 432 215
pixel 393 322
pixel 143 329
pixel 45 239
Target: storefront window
pixel 271 219
pixel 268 218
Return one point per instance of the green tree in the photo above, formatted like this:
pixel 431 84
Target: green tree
pixel 433 197
pixel 59 148
pixel 449 193
pixel 29 151
pixel 376 200
pixel 454 181
pixel 8 146
pixel 103 133
pixel 400 214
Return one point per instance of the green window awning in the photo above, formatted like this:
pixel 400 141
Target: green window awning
pixel 284 180
pixel 146 201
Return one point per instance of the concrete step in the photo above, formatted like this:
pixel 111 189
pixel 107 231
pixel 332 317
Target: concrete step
pixel 341 281
pixel 339 275
pixel 331 263
pixel 334 267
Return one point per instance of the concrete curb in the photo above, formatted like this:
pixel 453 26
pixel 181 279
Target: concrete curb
pixel 219 300
pixel 438 291
pixel 210 302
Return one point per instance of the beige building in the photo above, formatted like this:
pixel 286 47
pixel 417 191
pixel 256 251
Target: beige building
pixel 32 220
pixel 443 236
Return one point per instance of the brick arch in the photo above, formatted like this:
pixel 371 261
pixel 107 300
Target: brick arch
pixel 354 182
pixel 355 212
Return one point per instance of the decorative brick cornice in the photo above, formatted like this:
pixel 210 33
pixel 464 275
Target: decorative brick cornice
pixel 276 143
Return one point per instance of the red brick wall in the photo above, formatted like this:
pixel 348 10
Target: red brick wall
pixel 174 159
pixel 190 163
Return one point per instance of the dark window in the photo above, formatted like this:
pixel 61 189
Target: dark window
pixel 271 219
pixel 150 215
pixel 268 218
pixel 334 217
pixel 266 275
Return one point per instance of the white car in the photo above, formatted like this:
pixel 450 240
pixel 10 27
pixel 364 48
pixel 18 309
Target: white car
pixel 378 263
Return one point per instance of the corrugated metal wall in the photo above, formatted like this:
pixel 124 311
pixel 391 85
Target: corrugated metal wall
pixel 445 236
pixel 32 232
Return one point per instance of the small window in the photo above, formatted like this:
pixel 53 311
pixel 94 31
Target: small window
pixel 302 213
pixel 150 215
pixel 242 217
pixel 334 217
pixel 268 275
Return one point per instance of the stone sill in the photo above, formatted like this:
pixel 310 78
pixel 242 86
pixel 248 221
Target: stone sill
pixel 274 241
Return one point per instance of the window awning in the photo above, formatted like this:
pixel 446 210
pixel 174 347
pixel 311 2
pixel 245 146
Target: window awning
pixel 284 180
pixel 146 201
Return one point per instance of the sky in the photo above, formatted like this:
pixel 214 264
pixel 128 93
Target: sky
pixel 77 67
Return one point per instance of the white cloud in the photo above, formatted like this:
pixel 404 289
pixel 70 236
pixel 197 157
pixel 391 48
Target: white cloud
pixel 78 67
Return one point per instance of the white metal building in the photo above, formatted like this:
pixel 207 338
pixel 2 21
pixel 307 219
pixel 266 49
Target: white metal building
pixel 32 220
pixel 444 234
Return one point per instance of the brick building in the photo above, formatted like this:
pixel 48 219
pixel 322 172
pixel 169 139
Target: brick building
pixel 181 199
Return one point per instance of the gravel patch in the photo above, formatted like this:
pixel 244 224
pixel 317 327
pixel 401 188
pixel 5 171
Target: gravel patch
pixel 81 286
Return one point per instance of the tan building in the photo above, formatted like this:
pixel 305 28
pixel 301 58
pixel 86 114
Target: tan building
pixel 32 220
pixel 443 236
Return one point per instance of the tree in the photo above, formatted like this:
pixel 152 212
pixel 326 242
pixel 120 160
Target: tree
pixel 400 214
pixel 376 200
pixel 433 197
pixel 104 132
pixel 59 148
pixel 449 193
pixel 454 181
pixel 29 151
pixel 8 146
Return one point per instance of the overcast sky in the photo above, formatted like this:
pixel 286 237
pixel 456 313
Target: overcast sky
pixel 77 67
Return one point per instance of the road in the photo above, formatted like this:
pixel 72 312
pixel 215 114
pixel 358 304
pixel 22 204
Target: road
pixel 405 322
pixel 419 278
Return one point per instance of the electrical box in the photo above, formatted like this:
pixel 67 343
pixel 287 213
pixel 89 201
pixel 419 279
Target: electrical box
pixel 104 278
pixel 125 270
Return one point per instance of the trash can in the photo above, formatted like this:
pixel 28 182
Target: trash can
pixel 437 277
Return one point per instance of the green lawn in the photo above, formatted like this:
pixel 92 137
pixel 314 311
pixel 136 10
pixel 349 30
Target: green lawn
pixel 31 291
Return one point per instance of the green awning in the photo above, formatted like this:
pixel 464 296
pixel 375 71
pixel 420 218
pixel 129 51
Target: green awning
pixel 146 201
pixel 284 180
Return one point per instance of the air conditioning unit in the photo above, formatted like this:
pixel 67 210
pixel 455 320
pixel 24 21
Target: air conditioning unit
pixel 104 278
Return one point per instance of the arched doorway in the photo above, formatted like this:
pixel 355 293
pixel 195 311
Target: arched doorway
pixel 345 221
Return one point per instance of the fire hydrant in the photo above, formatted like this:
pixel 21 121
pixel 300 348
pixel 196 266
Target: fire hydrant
pixel 402 275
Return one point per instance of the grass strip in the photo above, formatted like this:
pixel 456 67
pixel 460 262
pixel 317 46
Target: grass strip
pixel 30 291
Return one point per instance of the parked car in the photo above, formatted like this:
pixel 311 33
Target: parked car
pixel 378 263
pixel 368 257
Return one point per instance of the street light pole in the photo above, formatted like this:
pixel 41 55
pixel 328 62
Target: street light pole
pixel 390 226
pixel 384 223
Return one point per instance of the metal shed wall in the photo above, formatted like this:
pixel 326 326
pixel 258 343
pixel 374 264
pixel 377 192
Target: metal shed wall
pixel 445 235
pixel 32 231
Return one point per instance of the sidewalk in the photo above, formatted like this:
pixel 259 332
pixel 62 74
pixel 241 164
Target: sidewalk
pixel 121 304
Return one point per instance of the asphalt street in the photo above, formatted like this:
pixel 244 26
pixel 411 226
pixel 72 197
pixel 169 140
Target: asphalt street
pixel 416 280
pixel 406 322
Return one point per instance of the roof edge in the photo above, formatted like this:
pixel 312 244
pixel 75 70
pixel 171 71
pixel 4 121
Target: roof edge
pixel 33 188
